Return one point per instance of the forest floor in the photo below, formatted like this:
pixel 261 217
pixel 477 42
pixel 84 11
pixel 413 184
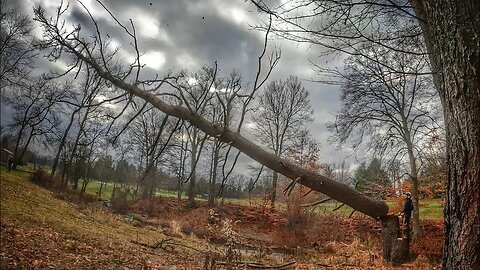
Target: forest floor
pixel 39 230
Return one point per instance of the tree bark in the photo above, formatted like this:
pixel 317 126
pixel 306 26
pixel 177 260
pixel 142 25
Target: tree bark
pixel 193 165
pixel 395 246
pixel 413 179
pixel 213 175
pixel 273 193
pixel 453 40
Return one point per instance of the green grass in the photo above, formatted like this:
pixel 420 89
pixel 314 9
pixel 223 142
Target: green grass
pixel 429 208
pixel 94 186
pixel 30 205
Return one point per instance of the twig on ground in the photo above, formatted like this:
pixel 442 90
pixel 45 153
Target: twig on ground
pixel 165 244
pixel 258 265
pixel 337 265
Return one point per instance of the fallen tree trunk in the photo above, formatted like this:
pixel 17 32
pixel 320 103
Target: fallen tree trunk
pixel 377 209
pixel 340 192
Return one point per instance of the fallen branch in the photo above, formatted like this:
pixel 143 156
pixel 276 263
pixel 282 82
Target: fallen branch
pixel 165 244
pixel 258 265
pixel 306 194
pixel 341 205
pixel 338 265
pixel 316 203
pixel 288 190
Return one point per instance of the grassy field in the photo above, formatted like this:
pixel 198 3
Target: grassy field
pixel 94 186
pixel 41 231
pixel 32 206
pixel 430 209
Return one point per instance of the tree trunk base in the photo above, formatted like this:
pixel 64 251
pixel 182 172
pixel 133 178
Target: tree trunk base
pixel 395 247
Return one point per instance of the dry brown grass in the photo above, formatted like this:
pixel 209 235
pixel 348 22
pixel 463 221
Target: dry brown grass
pixel 358 255
pixel 89 230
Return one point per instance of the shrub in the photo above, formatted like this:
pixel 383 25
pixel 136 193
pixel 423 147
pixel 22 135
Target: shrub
pixel 296 215
pixel 176 228
pixel 222 229
pixel 43 179
pixel 76 197
pixel 119 200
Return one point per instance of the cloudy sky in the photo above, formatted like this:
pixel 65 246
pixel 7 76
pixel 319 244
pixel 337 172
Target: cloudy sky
pixel 189 34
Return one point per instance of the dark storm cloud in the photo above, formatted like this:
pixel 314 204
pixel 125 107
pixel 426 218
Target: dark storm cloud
pixel 186 34
pixel 199 32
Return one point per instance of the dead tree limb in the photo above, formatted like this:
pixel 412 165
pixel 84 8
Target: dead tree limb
pixel 341 205
pixel 316 203
pixel 258 265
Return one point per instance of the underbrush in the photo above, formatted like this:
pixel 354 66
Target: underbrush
pixel 45 180
pixel 119 200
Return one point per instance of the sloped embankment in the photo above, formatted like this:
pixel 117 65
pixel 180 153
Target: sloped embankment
pixel 40 231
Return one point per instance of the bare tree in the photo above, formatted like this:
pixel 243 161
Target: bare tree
pixel 304 151
pixel 178 162
pixel 76 47
pixel 85 147
pixel 33 116
pixel 197 93
pixel 342 173
pixel 221 111
pixel 81 97
pixel 17 52
pixel 284 111
pixel 393 112
pixel 91 148
pixel 150 135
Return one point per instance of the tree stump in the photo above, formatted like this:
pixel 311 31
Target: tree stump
pixel 395 247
